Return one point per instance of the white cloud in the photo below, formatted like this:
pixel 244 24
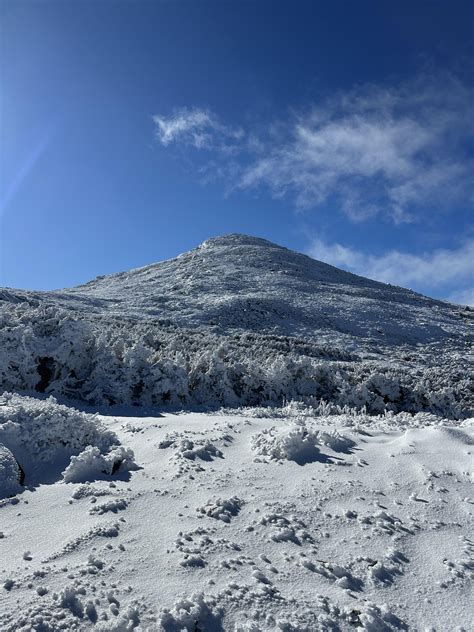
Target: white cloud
pixel 195 127
pixel 188 125
pixel 430 271
pixel 372 149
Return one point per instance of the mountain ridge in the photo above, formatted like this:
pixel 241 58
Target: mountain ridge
pixel 240 239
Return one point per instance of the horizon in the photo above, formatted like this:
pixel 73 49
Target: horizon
pixel 132 132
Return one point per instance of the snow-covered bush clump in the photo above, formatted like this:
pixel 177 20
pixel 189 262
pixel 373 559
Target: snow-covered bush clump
pixel 41 436
pixel 91 464
pixel 293 443
pixel 46 429
pixel 190 449
pixel 191 613
pixel 222 508
pixel 298 443
pixel 10 473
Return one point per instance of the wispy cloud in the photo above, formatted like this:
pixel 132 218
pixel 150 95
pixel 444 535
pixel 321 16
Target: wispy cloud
pixel 197 128
pixel 372 149
pixel 431 270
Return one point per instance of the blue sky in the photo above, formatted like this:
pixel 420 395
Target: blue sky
pixel 132 131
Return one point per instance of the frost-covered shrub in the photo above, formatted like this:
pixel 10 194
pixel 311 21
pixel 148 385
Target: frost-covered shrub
pixel 44 428
pixel 211 379
pixel 385 389
pixel 9 473
pixel 293 443
pixel 91 464
pixel 42 436
pixel 297 442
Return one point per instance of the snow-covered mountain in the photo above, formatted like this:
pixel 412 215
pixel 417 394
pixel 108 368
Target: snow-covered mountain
pixel 247 283
pixel 238 320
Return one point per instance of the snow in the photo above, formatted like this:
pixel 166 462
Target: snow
pixel 43 436
pixel 9 473
pixel 371 535
pixel 239 322
pixel 253 284
pixel 239 439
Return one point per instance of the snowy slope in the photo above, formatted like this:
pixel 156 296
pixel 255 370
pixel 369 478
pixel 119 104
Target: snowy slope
pixel 321 479
pixel 244 523
pixel 243 282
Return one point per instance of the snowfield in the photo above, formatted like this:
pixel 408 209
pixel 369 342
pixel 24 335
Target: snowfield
pixel 241 522
pixel 240 439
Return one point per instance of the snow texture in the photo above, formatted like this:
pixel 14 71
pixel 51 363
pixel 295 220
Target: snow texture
pixel 38 437
pixel 372 535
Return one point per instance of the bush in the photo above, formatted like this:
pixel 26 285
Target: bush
pixel 111 360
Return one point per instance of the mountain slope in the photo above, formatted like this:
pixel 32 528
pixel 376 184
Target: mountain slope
pixel 246 283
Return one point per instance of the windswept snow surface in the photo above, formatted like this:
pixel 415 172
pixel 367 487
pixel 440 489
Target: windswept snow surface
pixel 223 528
pixel 323 480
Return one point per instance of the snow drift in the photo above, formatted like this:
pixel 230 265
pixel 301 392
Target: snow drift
pixel 38 438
